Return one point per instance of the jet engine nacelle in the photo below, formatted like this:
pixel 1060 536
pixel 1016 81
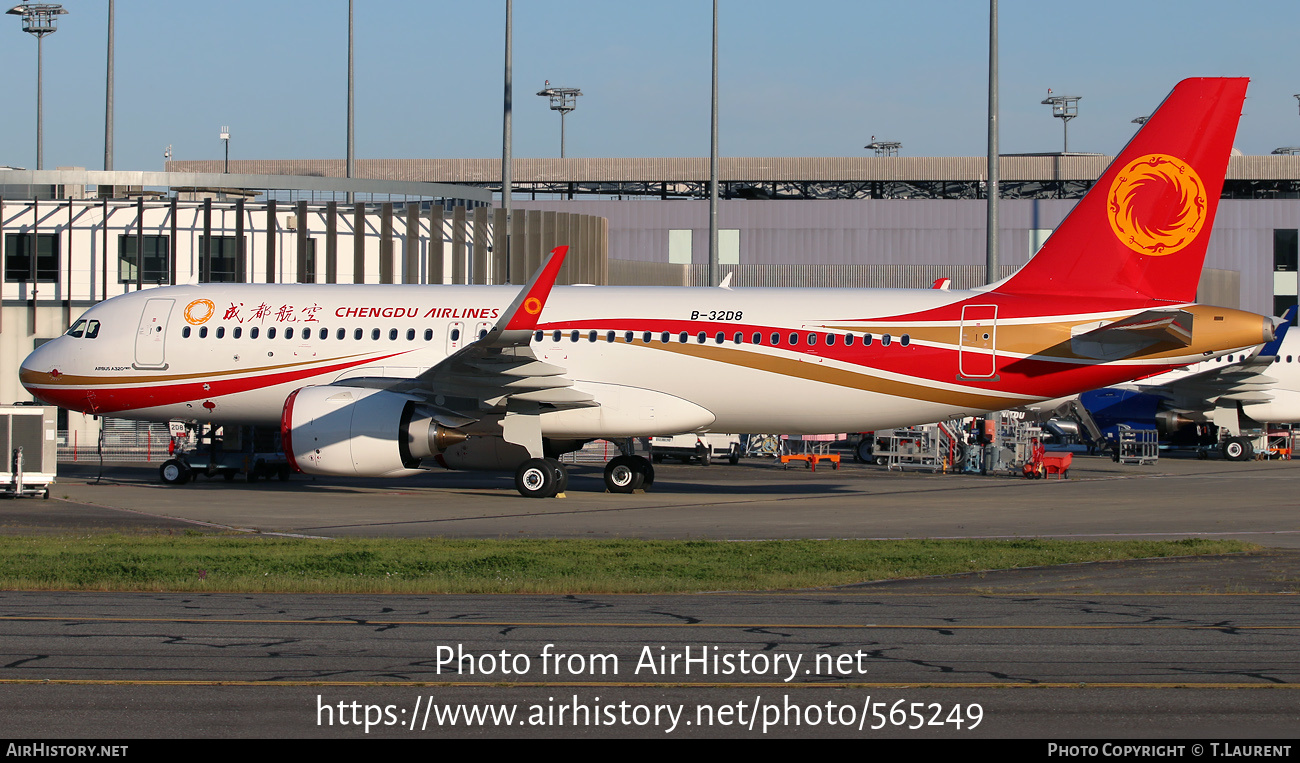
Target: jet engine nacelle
pixel 358 432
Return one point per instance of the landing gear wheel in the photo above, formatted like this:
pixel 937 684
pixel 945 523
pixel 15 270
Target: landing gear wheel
pixel 862 454
pixel 704 454
pixel 174 472
pixel 561 475
pixel 734 458
pixel 1238 449
pixel 646 469
pixel 535 478
pixel 623 475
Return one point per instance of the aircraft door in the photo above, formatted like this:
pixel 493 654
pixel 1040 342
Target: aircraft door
pixel 977 356
pixel 455 336
pixel 152 333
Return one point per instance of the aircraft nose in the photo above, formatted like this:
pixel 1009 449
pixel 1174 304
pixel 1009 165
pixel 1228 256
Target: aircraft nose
pixel 41 371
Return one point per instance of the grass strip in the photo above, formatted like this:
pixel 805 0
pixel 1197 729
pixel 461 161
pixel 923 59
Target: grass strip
pixel 242 563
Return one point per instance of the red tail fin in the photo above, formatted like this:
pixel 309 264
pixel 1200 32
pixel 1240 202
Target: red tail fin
pixel 1142 231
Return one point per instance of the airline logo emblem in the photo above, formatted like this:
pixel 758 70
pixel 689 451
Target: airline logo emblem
pixel 199 311
pixel 1157 205
pixel 532 305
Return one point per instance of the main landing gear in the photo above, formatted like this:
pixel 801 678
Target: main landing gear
pixel 627 474
pixel 541 478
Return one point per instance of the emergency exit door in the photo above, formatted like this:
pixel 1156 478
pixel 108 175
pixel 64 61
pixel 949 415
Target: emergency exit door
pixel 977 356
pixel 152 334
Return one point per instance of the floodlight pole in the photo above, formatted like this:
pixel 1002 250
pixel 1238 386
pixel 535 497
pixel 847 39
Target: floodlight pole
pixel 225 137
pixel 563 100
pixel 352 158
pixel 39 20
pixel 507 139
pixel 1065 108
pixel 992 269
pixel 108 96
pixel 714 169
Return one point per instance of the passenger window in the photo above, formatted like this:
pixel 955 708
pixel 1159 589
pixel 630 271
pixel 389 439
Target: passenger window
pixel 812 339
pixel 374 335
pixel 185 332
pixel 203 332
pixel 537 336
pixel 591 336
pixel 356 335
pixel 573 335
pixel 555 336
pixel 221 332
pixel 739 338
pixel 288 333
pixel 410 335
pixel 341 334
pixel 609 337
pixel 719 337
pixel 645 337
pixel 905 340
pixel 794 339
pixel 253 332
pixel 270 333
pixel 757 338
pixel 238 332
pixel 392 335
pixel 628 337
pixel 428 335
pixel 455 335
pixel 885 339
pixel 701 337
pixel 776 339
pixel 848 340
pixel 830 339
pixel 323 334
pixel 866 340
pixel 482 333
pixel 78 328
pixel 664 337
pixel 92 329
pixel 684 338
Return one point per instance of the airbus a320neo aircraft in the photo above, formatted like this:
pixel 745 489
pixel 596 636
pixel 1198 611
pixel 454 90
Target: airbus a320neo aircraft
pixel 386 380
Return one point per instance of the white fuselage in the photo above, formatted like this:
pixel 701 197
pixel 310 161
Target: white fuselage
pixel 234 353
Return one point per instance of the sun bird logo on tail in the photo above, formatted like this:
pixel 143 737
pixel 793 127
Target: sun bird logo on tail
pixel 532 305
pixel 1157 205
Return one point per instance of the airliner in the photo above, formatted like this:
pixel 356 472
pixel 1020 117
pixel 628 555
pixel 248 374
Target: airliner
pixel 389 380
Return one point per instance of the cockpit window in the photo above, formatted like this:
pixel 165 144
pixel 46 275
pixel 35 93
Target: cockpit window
pixel 77 329
pixel 92 329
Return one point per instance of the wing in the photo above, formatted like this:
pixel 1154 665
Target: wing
pixel 1245 381
pixel 499 372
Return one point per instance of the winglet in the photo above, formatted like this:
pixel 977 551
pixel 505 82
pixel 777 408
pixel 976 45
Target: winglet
pixel 520 319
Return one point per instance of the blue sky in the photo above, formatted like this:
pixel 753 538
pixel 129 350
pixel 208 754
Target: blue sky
pixel 817 78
